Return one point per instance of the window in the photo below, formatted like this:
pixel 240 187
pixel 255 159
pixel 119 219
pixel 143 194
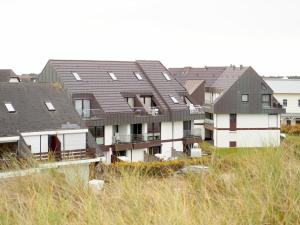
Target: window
pixel 113 76
pixel 266 101
pixel 76 75
pixel 50 106
pixel 82 106
pixel 232 144
pixel 166 75
pixel 98 134
pixel 138 75
pixel 10 107
pixel 232 124
pixel 284 102
pixel 245 98
pixel 174 99
pixel 288 122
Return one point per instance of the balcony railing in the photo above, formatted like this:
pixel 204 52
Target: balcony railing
pixel 209 121
pixel 131 138
pixel 194 132
pixel 196 109
pixel 90 113
pixel 145 111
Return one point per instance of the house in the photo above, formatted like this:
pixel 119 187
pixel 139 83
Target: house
pixel 287 91
pixel 31 77
pixel 8 75
pixel 39 120
pixel 135 110
pixel 240 109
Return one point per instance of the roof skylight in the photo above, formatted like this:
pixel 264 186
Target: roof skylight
pixel 174 99
pixel 50 106
pixel 112 75
pixel 166 75
pixel 138 75
pixel 76 75
pixel 10 107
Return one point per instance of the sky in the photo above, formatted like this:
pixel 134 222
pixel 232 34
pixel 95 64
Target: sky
pixel 264 34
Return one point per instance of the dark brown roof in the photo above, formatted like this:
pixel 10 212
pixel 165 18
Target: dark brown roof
pixel 6 74
pixel 209 74
pixel 31 114
pixel 107 92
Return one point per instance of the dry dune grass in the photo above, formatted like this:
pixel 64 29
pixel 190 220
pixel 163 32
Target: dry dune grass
pixel 259 188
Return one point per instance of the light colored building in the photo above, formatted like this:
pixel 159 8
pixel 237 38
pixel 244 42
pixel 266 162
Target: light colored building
pixel 240 110
pixel 287 92
pixel 136 110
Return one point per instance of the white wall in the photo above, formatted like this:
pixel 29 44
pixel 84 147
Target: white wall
pixel 166 134
pixel 108 134
pixel 137 155
pixel 292 102
pixel 74 141
pixel 34 142
pixel 248 138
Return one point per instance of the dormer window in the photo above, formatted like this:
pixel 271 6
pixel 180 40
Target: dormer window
pixel 166 75
pixel 10 108
pixel 112 75
pixel 174 99
pixel 138 75
pixel 14 80
pixel 76 75
pixel 50 106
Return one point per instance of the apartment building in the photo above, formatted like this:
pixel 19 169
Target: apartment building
pixel 133 109
pixel 287 92
pixel 240 109
pixel 39 120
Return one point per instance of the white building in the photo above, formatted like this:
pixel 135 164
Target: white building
pixel 240 110
pixel 40 120
pixel 287 92
pixel 136 111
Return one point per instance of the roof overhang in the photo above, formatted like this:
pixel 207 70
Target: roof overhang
pixel 9 139
pixel 55 132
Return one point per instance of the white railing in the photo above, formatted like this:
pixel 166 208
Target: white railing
pixel 209 121
pixel 195 109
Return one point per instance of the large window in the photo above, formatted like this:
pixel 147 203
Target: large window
pixel 266 101
pixel 98 134
pixel 83 107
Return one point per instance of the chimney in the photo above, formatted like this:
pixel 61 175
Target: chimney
pixel 241 66
pixel 233 67
pixel 206 68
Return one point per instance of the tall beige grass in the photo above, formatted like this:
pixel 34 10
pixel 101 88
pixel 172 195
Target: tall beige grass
pixel 262 187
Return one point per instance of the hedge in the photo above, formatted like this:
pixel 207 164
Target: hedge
pixel 289 129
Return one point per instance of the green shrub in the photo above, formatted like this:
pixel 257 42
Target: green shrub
pixel 289 129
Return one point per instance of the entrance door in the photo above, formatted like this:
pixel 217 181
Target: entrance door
pixel 54 146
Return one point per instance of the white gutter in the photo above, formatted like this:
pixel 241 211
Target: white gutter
pixel 75 131
pixel 9 139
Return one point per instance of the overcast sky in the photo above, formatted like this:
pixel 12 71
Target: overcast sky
pixel 262 33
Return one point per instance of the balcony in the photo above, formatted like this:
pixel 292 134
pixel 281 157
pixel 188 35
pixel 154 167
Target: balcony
pixel 146 111
pixel 135 141
pixel 192 136
pixel 195 109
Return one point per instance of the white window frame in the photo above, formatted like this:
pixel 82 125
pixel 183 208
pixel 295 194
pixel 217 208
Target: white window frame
pixel 112 76
pixel 245 95
pixel 174 99
pixel 50 106
pixel 138 75
pixel 76 75
pixel 166 75
pixel 10 108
